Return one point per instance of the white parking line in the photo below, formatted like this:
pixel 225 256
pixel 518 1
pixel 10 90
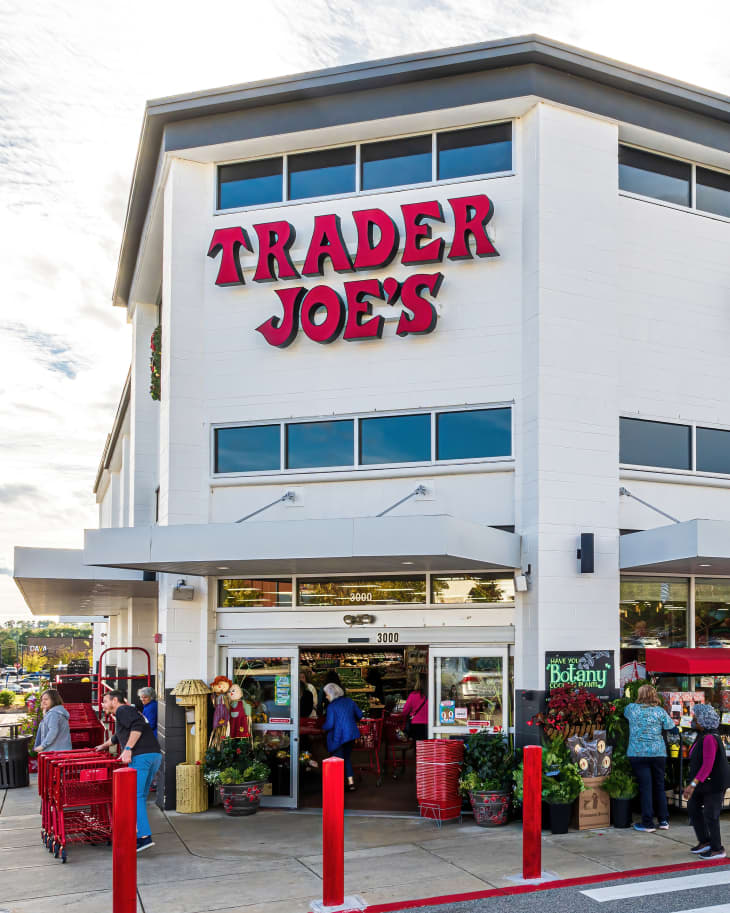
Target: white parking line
pixel 661 886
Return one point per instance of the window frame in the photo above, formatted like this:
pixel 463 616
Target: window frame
pixel 359 192
pixel 356 466
pixel 657 201
pixel 693 428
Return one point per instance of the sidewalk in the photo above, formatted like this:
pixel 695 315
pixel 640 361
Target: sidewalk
pixel 271 863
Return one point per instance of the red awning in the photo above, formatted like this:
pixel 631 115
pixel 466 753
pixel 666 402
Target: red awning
pixel 697 661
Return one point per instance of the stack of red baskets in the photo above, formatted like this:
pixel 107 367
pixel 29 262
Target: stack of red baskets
pixel 438 767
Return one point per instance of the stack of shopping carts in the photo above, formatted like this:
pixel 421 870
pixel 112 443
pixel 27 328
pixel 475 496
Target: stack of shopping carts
pixel 86 730
pixel 76 798
pixel 438 767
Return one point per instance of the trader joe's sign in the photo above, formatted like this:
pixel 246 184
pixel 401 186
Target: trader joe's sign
pixel 592 670
pixel 324 313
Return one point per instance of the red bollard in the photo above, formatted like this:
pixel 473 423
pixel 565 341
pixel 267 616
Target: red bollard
pixel 333 832
pixel 124 840
pixel 532 812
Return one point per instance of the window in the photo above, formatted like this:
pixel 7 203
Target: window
pixel 479 150
pixel 395 439
pixel 250 183
pixel 255 448
pixel 319 174
pixel 382 440
pixel 255 594
pixel 473 434
pixel 653 613
pixel 713 450
pixel 468 688
pixel 471 589
pixel 644 443
pixel 712 613
pixel 386 163
pixel 311 444
pixel 712 191
pixel 654 176
pixel 396 162
pixel 361 591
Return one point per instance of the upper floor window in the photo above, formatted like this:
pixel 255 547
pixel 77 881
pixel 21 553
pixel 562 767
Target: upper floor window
pixel 654 176
pixel 468 152
pixel 479 150
pixel 378 440
pixel 674 181
pixel 322 174
pixel 250 183
pixel 666 445
pixel 396 163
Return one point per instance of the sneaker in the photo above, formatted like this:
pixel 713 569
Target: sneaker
pixel 144 843
pixel 714 854
pixel 700 848
pixel 644 830
pixel 663 825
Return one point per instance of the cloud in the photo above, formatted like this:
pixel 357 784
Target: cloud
pixel 12 493
pixel 51 351
pixel 5 571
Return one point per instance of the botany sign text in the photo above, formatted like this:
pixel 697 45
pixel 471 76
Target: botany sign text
pixel 322 312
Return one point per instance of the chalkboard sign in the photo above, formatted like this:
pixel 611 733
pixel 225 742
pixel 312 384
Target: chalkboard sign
pixel 592 670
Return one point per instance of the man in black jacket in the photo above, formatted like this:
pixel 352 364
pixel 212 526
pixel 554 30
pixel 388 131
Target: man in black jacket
pixel 141 750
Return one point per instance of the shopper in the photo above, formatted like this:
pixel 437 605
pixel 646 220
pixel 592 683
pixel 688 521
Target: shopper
pixel 140 750
pixel 332 678
pixel 149 707
pixel 710 777
pixel 305 677
pixel 54 733
pixel 415 712
pixel 341 727
pixel 306 702
pixel 647 754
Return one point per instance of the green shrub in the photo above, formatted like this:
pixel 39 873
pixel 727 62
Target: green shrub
pixel 7 698
pixel 488 764
pixel 561 779
pixel 230 777
pixel 256 771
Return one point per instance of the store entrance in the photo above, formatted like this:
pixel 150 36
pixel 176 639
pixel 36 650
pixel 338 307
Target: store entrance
pixel 378 680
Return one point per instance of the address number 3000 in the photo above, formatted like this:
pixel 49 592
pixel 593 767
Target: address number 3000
pixel 388 637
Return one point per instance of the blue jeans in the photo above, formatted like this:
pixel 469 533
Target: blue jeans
pixel 146 766
pixel 345 752
pixel 650 775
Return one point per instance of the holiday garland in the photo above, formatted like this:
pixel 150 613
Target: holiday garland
pixel 155 362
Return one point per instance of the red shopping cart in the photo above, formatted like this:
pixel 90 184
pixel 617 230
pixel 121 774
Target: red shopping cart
pixel 371 732
pixel 396 743
pixel 86 730
pixel 76 799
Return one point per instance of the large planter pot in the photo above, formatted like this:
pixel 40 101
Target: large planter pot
pixel 241 798
pixel 490 807
pixel 621 812
pixel 560 817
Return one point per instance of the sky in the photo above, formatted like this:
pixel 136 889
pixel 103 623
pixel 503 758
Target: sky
pixel 74 78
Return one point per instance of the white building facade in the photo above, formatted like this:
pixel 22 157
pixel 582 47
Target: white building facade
pixel 479 292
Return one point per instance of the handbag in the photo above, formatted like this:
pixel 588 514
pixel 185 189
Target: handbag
pixel 408 728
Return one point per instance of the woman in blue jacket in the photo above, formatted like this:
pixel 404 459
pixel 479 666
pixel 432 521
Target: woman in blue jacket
pixel 340 724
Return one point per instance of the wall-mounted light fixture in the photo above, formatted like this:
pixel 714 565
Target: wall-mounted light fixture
pixel 359 620
pixel 182 592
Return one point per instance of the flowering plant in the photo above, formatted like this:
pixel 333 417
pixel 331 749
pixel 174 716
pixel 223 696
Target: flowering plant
pixel 155 363
pixel 570 708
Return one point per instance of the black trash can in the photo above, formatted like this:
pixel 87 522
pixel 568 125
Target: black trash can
pixel 14 761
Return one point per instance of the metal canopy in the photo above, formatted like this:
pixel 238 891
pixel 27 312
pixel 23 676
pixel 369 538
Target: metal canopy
pixel 351 545
pixel 55 581
pixel 692 547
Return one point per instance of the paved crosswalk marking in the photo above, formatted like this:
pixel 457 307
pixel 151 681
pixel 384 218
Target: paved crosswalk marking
pixel 661 886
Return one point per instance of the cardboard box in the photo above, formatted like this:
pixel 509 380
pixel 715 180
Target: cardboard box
pixel 593 806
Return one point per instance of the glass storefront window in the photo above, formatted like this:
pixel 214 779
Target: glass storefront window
pixel 253 448
pixel 266 686
pixel 255 594
pixel 471 589
pixel 468 689
pixel 653 613
pixel 712 613
pixel 361 591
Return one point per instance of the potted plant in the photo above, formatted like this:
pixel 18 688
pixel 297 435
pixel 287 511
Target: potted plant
pixel 242 764
pixel 621 788
pixel 572 711
pixel 240 791
pixel 561 784
pixel 487 778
